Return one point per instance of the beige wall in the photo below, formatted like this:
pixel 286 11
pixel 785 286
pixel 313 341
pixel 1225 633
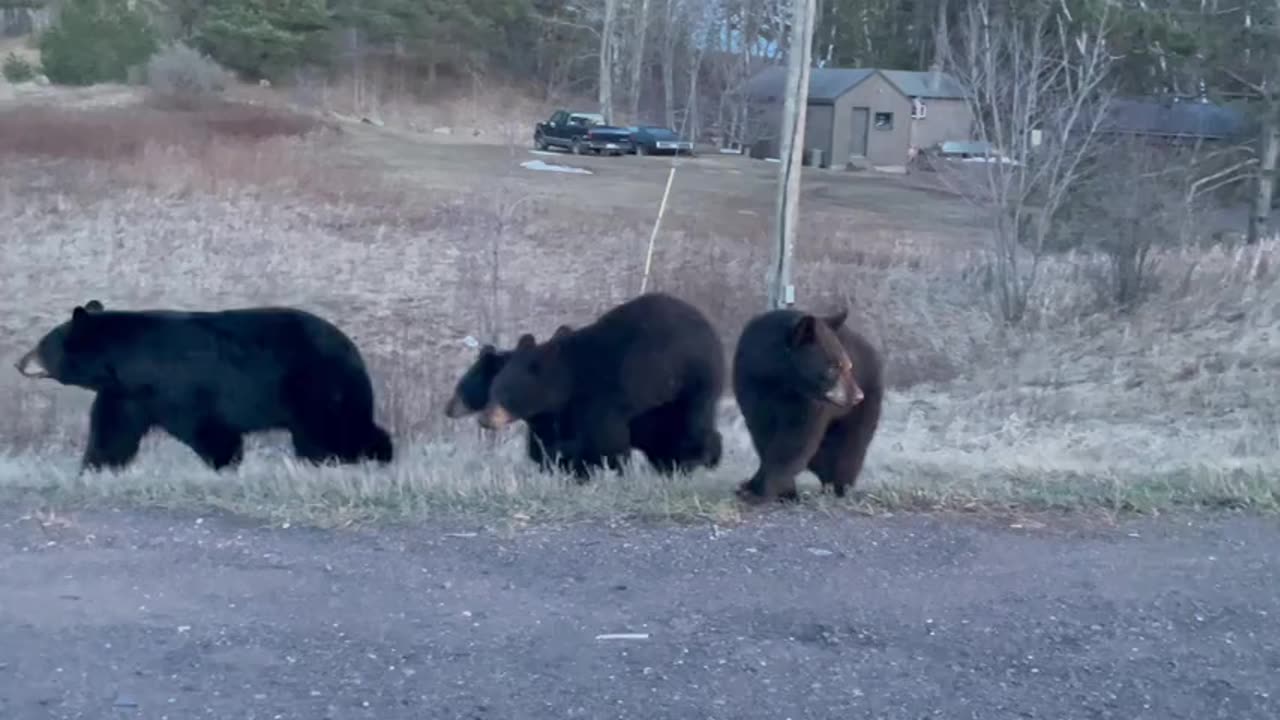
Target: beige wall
pixel 884 147
pixel 828 127
pixel 817 131
pixel 944 120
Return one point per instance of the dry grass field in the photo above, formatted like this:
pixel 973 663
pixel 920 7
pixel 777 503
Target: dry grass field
pixel 412 242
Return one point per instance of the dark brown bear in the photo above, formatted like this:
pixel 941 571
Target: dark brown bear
pixel 810 390
pixel 471 395
pixel 646 374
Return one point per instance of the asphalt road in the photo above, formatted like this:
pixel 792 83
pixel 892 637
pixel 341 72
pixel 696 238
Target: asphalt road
pixel 146 615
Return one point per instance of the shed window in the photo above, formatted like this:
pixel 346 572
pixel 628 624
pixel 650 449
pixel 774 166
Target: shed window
pixel 884 121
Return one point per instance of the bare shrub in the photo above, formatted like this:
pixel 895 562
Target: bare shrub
pixel 184 78
pixel 1033 79
pixel 1130 205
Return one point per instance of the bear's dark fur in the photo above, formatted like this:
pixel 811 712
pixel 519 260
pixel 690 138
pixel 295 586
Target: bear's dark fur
pixel 471 395
pixel 207 378
pixel 646 374
pixel 810 390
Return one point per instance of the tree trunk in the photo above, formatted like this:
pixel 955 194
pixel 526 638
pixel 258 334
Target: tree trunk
pixel 637 58
pixel 1264 187
pixel 941 36
pixel 781 292
pixel 691 109
pixel 606 60
pixel 668 63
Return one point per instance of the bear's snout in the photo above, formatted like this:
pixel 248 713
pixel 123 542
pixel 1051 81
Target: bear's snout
pixel 30 366
pixel 845 393
pixel 496 417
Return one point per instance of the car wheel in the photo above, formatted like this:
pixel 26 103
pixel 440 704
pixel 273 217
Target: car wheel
pixel 576 147
pixel 641 150
pixel 539 143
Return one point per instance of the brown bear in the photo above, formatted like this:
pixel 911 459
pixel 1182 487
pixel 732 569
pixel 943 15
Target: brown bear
pixel 810 390
pixel 646 374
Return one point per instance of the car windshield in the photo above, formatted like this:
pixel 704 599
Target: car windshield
pixel 587 119
pixel 660 132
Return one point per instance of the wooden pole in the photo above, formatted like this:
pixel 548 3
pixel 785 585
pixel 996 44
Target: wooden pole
pixel 791 154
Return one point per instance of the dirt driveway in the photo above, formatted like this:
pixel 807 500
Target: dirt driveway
pixel 147 615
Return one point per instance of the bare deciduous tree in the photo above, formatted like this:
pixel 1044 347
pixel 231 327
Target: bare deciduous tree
pixel 607 52
pixel 1034 77
pixel 640 35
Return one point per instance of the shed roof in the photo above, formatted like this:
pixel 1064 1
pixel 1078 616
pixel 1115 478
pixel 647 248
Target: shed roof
pixel 1181 118
pixel 828 84
pixel 926 85
pixel 825 84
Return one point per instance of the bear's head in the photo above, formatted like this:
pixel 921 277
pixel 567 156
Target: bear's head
pixel 73 353
pixel 820 365
pixel 471 394
pixel 534 380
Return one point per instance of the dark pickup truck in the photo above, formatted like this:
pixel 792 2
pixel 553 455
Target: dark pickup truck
pixel 580 132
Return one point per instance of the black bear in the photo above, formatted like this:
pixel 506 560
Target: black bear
pixel 810 390
pixel 471 395
pixel 646 374
pixel 207 378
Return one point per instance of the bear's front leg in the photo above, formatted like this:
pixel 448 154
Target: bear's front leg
pixel 785 449
pixel 117 424
pixel 604 439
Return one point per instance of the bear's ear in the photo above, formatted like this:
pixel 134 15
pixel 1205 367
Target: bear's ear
pixel 562 331
pixel 803 332
pixel 94 306
pixel 837 319
pixel 526 342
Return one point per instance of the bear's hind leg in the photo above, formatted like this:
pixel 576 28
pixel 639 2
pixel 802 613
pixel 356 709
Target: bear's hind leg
pixel 333 416
pixel 701 443
pixel 377 446
pixel 680 436
pixel 117 425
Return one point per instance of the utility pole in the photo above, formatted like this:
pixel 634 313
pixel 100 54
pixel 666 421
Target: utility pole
pixel 791 153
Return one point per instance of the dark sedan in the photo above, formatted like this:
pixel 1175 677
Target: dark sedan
pixel 653 140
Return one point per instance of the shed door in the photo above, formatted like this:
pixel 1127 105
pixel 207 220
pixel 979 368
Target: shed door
pixel 858 131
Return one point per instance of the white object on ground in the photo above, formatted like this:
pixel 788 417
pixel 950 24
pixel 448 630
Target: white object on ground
pixel 539 165
pixel 623 636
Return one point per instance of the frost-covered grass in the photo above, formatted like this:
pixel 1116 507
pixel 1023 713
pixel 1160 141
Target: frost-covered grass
pixel 1173 406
